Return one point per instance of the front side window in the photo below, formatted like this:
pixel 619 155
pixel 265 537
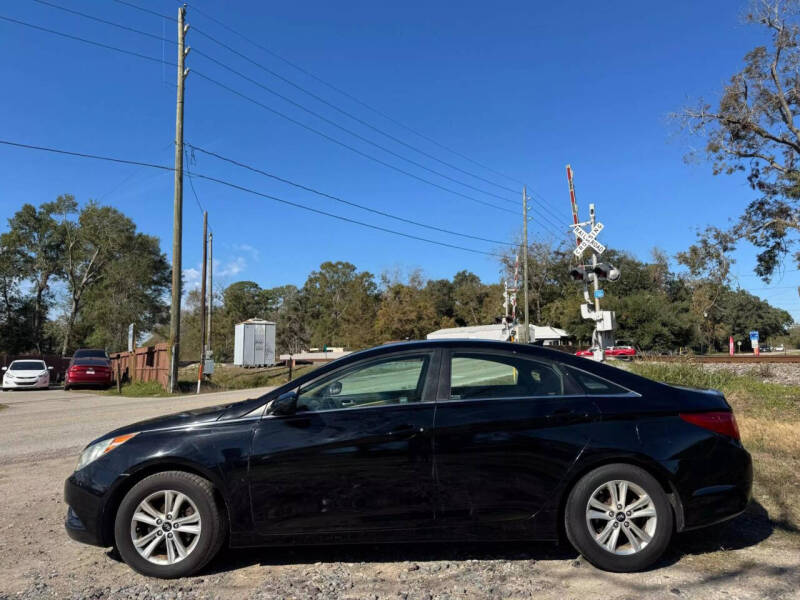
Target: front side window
pixel 484 376
pixel 378 383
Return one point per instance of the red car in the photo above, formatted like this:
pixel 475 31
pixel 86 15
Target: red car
pixel 612 351
pixel 90 368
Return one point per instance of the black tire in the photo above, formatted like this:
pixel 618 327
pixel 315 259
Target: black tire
pixel 212 532
pixel 582 539
pixel 66 387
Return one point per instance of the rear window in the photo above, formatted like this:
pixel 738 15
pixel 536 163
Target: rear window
pixel 593 385
pixel 27 365
pixel 96 362
pixel 90 354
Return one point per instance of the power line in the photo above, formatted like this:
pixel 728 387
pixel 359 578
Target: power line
pixel 355 134
pixel 541 201
pixel 347 113
pixel 342 200
pixel 84 40
pixel 262 105
pixel 346 94
pixel 250 191
pixel 146 10
pixel 154 59
pixel 104 21
pixel 345 145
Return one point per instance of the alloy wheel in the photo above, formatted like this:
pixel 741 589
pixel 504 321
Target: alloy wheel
pixel 165 527
pixel 621 517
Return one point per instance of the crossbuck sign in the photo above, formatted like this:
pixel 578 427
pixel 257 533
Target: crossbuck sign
pixel 588 240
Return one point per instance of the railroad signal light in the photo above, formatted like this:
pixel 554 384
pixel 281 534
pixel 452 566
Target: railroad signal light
pixel 581 273
pixel 606 271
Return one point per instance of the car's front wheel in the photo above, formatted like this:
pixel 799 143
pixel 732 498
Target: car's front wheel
pixel 619 518
pixel 169 525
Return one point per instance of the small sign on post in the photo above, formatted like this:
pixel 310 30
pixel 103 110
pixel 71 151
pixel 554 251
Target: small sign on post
pixel 754 342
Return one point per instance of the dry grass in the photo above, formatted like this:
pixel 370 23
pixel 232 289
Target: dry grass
pixel 768 415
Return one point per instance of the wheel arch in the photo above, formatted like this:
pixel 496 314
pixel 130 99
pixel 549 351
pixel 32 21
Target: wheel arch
pixel 144 470
pixel 661 475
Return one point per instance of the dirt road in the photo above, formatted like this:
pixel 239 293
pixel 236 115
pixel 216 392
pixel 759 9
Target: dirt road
pixel 41 434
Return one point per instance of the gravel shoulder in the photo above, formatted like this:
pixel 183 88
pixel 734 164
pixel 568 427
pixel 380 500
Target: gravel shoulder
pixel 40 436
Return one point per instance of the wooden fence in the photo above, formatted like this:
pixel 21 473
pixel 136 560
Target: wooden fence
pixel 150 363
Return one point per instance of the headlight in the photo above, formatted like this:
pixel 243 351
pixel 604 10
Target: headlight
pixel 95 451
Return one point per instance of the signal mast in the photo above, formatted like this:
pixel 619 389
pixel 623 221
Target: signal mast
pixel 594 272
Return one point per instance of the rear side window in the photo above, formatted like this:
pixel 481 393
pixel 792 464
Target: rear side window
pixel 485 376
pixel 593 385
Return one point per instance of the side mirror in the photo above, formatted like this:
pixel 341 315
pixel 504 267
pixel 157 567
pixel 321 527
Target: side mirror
pixel 335 388
pixel 283 405
pixel 49 368
pixel 5 368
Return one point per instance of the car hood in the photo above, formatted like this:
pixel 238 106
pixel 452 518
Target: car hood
pixel 187 418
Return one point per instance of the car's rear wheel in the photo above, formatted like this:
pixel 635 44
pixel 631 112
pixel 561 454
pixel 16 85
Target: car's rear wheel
pixel 169 525
pixel 618 516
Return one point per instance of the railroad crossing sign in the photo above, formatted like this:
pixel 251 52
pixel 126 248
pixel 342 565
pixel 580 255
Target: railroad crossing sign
pixel 587 239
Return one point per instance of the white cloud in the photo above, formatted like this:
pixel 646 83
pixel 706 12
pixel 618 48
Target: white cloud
pixel 230 268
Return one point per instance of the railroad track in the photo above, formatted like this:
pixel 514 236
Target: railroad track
pixel 745 359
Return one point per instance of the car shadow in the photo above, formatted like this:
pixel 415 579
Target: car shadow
pixel 752 527
pixel 748 529
pixel 385 553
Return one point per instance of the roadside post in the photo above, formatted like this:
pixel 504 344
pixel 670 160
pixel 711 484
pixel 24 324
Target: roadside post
pixel 730 345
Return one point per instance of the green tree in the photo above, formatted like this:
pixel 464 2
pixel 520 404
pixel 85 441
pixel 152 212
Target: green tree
pixel 753 131
pixel 406 310
pixel 37 241
pixel 340 304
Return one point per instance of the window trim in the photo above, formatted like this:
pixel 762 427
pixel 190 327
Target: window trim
pixel 427 396
pixel 444 391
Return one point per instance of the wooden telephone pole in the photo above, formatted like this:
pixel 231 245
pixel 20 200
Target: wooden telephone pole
pixel 525 337
pixel 203 303
pixel 177 210
pixel 210 286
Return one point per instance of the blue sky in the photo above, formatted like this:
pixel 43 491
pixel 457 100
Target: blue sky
pixel 521 87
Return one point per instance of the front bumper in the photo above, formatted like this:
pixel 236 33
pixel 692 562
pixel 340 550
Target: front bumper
pixel 85 515
pixel 36 384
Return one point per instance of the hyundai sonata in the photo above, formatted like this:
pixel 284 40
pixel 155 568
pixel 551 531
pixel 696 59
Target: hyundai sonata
pixel 423 441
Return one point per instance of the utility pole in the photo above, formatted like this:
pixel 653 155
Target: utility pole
pixel 177 210
pixel 526 331
pixel 210 286
pixel 203 303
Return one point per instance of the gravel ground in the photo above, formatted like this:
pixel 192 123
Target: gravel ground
pixel 42 432
pixel 786 373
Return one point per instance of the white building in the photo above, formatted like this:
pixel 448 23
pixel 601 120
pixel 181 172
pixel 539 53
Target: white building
pixel 501 332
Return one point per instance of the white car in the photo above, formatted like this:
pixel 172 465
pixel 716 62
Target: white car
pixel 26 374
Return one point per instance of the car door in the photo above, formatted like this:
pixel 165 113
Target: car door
pixel 355 455
pixel 507 428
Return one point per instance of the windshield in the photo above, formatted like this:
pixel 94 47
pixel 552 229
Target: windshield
pixel 27 365
pixel 90 354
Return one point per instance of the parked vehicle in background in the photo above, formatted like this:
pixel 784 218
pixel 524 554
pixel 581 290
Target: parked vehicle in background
pixel 611 352
pixel 623 351
pixel 88 368
pixel 26 374
pixel 780 348
pixel 527 443
pixel 587 352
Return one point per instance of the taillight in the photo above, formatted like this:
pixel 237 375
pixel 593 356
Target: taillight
pixel 718 421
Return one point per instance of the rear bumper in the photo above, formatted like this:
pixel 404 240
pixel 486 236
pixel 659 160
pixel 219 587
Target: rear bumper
pixel 84 515
pixel 724 500
pixel 88 380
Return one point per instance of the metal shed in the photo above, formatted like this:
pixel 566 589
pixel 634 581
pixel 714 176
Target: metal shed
pixel 254 343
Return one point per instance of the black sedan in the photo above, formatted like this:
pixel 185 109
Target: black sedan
pixel 422 441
